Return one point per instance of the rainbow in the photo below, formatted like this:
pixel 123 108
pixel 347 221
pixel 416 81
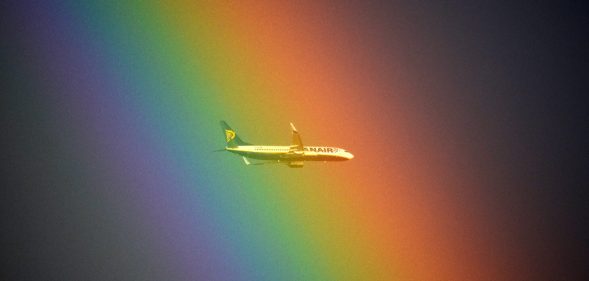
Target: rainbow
pixel 142 87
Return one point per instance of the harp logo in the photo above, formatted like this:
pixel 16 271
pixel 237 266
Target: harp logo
pixel 229 135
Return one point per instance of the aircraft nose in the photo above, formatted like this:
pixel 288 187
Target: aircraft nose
pixel 350 156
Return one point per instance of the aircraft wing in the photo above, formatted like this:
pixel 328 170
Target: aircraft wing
pixel 297 144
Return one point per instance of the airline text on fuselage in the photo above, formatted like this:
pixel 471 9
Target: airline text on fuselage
pixel 320 149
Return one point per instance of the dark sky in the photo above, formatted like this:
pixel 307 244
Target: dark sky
pixel 515 75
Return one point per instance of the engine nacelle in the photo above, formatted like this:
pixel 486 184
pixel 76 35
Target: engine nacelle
pixel 296 164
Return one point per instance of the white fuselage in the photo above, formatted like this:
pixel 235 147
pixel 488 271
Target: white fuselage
pixel 309 153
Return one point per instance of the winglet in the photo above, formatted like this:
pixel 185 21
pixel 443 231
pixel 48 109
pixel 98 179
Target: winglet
pixel 296 144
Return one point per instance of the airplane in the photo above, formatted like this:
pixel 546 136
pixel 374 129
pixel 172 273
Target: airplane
pixel 292 155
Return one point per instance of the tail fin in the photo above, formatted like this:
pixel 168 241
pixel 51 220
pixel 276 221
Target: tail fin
pixel 231 137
